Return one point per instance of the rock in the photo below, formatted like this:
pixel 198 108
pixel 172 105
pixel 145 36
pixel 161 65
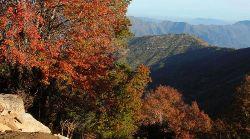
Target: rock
pixel 4 127
pixel 14 118
pixel 11 104
pixel 29 124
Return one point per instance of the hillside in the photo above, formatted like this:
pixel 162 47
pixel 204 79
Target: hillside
pixel 208 75
pixel 204 73
pixel 151 49
pixel 233 36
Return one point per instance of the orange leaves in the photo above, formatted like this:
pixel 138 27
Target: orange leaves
pixel 118 96
pixel 76 34
pixel 165 105
pixel 9 42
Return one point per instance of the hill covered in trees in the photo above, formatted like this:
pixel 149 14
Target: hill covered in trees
pixel 149 50
pixel 204 73
pixel 234 36
pixel 208 75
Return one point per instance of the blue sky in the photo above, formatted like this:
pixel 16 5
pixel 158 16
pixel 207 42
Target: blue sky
pixel 216 9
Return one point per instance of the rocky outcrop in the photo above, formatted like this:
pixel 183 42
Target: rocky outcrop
pixel 14 118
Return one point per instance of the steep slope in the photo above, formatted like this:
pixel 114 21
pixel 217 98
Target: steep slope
pixel 207 75
pixel 151 49
pixel 234 36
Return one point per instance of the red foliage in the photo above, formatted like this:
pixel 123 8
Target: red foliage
pixel 66 39
pixel 165 105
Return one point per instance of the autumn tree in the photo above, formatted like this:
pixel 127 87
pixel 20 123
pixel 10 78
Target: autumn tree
pixel 240 116
pixel 236 123
pixel 67 51
pixel 165 107
pixel 67 40
pixel 115 111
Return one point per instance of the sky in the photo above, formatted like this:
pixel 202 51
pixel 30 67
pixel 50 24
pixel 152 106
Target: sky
pixel 215 9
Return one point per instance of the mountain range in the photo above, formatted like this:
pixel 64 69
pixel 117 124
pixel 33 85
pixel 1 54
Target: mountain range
pixel 192 21
pixel 235 35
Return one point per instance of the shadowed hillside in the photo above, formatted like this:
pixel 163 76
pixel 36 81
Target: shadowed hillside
pixel 204 73
pixel 207 75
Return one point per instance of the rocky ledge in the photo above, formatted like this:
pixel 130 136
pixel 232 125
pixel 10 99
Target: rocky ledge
pixel 14 118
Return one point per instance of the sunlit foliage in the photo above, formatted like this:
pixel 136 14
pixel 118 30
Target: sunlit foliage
pixel 166 107
pixel 70 40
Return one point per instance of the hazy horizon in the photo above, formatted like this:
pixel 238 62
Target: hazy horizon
pixel 225 10
pixel 193 21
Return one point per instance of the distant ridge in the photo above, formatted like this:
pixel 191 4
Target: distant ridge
pixel 245 22
pixel 232 36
